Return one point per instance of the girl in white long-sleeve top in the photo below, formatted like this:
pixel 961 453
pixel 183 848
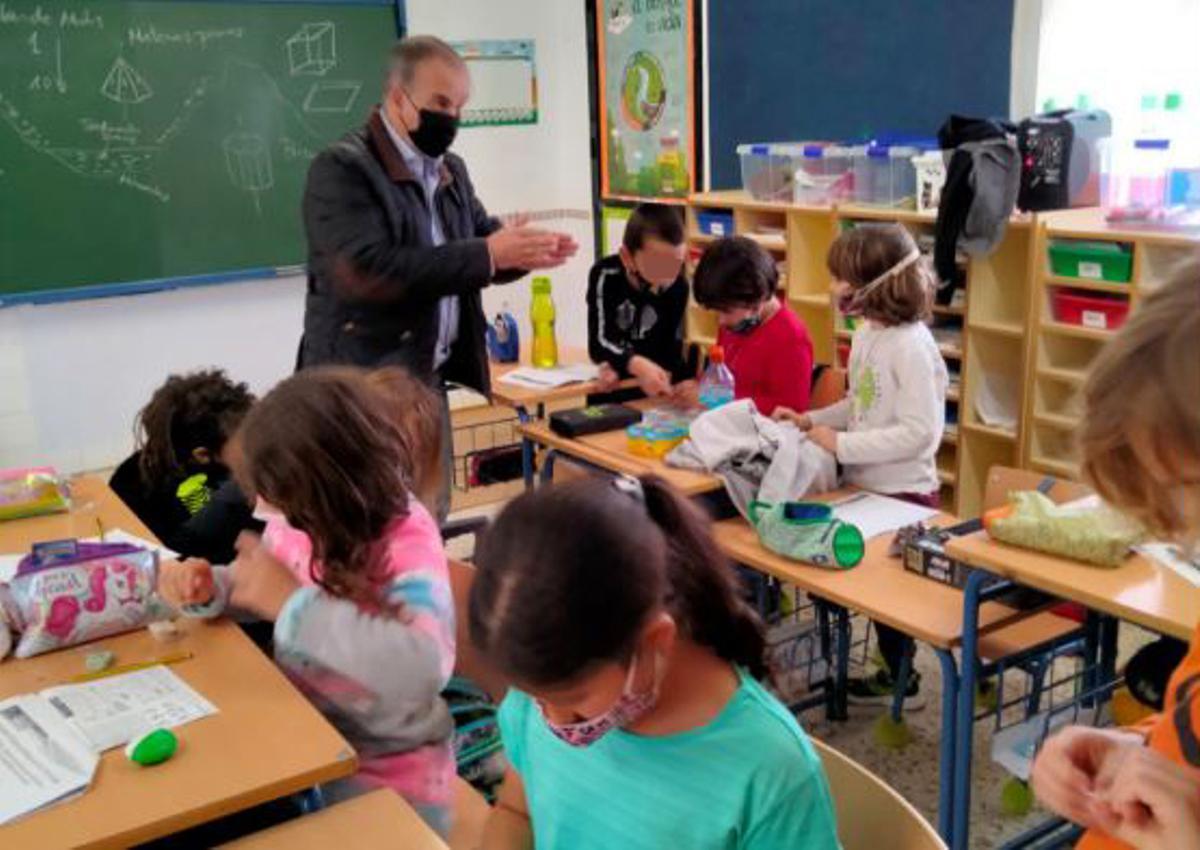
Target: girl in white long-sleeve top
pixel 887 430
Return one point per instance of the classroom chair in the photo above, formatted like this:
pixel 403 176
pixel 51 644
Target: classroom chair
pixel 1002 480
pixel 828 386
pixel 870 813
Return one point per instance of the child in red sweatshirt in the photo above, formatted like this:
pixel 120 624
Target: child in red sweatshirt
pixel 767 347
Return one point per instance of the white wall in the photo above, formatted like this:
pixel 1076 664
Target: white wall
pixel 544 166
pixel 72 376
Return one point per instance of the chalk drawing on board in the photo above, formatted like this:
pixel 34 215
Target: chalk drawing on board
pixel 248 163
pixel 312 50
pixel 119 135
pixel 125 85
pixel 332 96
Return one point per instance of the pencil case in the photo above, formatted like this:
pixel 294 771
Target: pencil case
pixel 68 592
pixel 32 491
pixel 1099 536
pixel 594 419
pixel 808 532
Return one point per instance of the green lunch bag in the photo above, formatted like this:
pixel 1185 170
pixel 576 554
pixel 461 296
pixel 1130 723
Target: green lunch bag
pixel 808 532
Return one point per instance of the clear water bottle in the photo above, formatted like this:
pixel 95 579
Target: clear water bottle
pixel 716 385
pixel 541 316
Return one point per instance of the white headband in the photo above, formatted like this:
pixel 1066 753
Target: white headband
pixel 910 258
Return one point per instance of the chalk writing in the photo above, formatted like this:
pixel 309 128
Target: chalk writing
pixel 149 34
pixel 153 191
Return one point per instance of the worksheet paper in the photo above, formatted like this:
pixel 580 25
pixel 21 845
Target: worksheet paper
pixel 1172 557
pixel 875 514
pixel 542 379
pixel 112 711
pixel 43 760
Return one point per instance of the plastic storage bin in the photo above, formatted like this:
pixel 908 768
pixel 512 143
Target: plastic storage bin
pixel 1110 261
pixel 713 223
pixel 884 174
pixel 825 175
pixel 930 170
pixel 769 170
pixel 1090 309
pixel 1136 176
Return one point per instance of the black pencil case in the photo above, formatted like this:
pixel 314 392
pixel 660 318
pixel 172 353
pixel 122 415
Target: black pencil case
pixel 593 419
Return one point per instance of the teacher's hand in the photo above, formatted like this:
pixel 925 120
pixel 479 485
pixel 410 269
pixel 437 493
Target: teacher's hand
pixel 529 248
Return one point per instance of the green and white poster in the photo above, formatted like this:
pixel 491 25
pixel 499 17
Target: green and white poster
pixel 647 118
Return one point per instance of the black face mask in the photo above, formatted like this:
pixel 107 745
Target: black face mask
pixel 435 133
pixel 746 325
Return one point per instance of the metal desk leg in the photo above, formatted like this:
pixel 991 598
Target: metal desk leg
pixel 526 448
pixel 842 711
pixel 901 684
pixel 1092 628
pixel 547 471
pixel 950 692
pixel 965 722
pixel 1108 649
pixel 826 639
pixel 312 800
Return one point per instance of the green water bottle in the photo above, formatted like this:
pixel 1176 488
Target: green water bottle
pixel 541 315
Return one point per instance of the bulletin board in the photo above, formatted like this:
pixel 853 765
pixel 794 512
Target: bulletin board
pixel 503 82
pixel 613 221
pixel 646 77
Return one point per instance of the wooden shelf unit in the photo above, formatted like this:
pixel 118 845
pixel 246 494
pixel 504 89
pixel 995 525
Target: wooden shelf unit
pixel 1060 355
pixel 1011 347
pixel 991 323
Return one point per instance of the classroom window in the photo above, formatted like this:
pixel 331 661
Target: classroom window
pixel 1114 54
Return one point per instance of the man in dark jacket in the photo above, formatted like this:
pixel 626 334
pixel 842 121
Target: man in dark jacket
pixel 399 245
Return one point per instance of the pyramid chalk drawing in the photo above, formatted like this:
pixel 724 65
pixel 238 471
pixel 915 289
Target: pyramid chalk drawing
pixel 125 85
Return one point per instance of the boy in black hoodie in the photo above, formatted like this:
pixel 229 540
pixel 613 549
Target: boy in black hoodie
pixel 636 304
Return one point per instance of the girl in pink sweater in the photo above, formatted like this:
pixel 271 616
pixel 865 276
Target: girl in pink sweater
pixel 351 570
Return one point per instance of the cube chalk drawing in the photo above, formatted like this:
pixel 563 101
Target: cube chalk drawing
pixel 312 50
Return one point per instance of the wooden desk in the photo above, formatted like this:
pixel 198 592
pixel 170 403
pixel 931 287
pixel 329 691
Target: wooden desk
pixel 95 508
pixel 523 400
pixel 265 742
pixel 879 587
pixel 374 821
pixel 1140 591
pixel 379 819
pixel 610 451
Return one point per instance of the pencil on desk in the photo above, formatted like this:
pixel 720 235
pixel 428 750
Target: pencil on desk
pixel 130 668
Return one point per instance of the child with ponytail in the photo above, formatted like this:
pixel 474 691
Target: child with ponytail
pixel 637 719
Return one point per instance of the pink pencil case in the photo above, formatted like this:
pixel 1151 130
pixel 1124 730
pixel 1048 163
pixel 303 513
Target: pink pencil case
pixel 32 491
pixel 70 592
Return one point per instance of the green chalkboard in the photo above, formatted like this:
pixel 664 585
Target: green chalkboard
pixel 143 141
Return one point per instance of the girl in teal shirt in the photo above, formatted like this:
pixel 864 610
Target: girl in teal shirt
pixel 637 719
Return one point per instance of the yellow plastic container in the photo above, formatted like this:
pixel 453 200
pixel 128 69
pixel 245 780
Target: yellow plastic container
pixel 635 436
pixel 660 442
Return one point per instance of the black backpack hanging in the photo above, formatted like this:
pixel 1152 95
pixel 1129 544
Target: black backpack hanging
pixel 983 175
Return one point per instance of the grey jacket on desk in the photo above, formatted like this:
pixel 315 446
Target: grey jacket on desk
pixel 755 457
pixel 374 275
